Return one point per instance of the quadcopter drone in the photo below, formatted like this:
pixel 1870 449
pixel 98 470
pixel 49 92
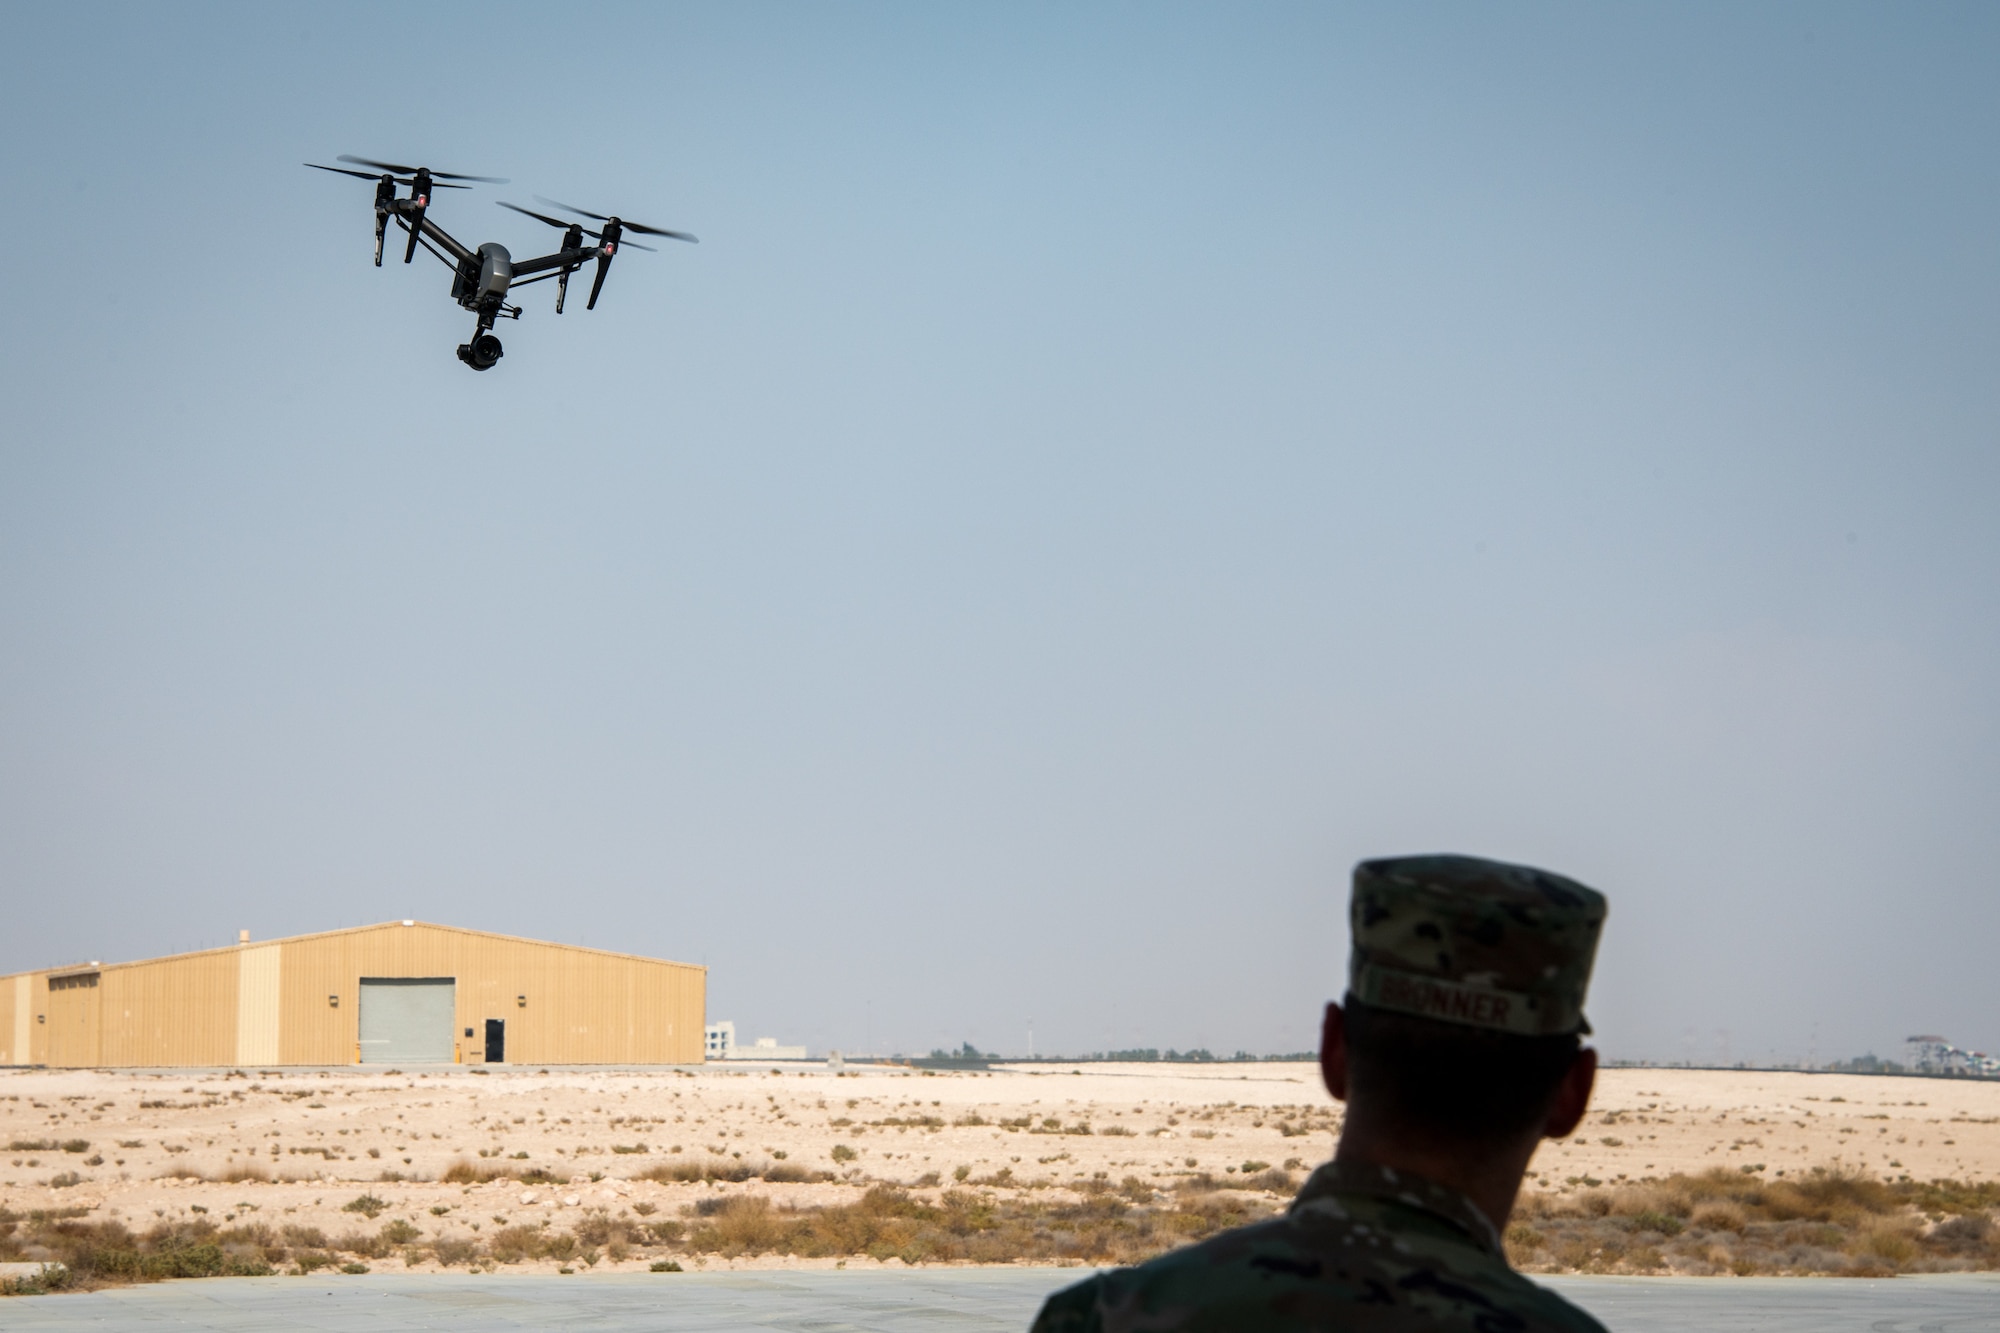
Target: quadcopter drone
pixel 482 278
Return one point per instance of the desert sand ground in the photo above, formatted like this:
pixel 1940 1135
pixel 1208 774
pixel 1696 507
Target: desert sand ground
pixel 302 1145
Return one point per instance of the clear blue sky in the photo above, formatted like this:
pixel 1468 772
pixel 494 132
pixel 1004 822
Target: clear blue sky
pixel 1104 470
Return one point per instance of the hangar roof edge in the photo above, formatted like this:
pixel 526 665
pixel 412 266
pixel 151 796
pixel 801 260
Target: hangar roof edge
pixel 71 969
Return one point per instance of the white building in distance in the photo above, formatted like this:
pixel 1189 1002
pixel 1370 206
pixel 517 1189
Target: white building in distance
pixel 1931 1054
pixel 721 1045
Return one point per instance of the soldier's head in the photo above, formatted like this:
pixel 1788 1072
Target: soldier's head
pixel 1464 1014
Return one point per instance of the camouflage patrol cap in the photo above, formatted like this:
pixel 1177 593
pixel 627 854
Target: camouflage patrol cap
pixel 1472 941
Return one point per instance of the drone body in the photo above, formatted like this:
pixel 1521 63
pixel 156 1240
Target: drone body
pixel 483 277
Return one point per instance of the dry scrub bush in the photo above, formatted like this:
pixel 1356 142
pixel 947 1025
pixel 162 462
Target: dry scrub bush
pixel 689 1172
pixel 1729 1222
pixel 1826 1222
pixel 510 1245
pixel 455 1250
pixel 961 1226
pixel 82 1255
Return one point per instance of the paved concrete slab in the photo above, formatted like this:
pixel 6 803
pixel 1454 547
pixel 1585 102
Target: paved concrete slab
pixel 955 1300
pixel 1967 1303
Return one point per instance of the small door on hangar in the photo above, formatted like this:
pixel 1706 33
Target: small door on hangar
pixel 496 1041
pixel 407 1020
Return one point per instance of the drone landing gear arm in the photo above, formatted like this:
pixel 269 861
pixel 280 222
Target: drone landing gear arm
pixel 416 226
pixel 597 284
pixel 381 228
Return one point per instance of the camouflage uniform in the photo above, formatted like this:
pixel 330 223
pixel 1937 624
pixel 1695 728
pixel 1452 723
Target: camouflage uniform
pixel 1482 943
pixel 1364 1249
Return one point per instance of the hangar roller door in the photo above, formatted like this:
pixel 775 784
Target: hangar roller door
pixel 407 1020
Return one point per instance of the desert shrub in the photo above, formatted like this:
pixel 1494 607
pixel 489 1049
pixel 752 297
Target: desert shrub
pixel 256 1234
pixel 744 1224
pixel 1955 1196
pixel 398 1231
pixel 1966 1231
pixel 365 1244
pixel 306 1238
pixel 76 1145
pixel 366 1204
pixel 463 1172
pixel 510 1245
pixel 962 1226
pixel 48 1278
pixel 1824 1221
pixel 842 1153
pixel 1654 1220
pixel 688 1171
pixel 1720 1216
pixel 453 1250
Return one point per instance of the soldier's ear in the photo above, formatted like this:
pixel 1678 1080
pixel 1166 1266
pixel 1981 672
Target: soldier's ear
pixel 1333 1051
pixel 1572 1096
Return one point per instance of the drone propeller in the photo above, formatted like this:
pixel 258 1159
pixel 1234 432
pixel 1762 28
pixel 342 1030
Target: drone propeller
pixel 558 222
pixel 639 227
pixel 539 217
pixel 364 175
pixel 376 176
pixel 411 171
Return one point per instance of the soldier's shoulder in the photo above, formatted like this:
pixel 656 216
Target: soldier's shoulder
pixel 1278 1275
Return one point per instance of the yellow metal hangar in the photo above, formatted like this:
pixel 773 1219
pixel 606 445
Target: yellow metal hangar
pixel 405 992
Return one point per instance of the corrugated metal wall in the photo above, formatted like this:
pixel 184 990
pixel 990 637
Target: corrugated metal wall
pixel 17 1019
pixel 295 1002
pixel 25 1003
pixel 257 1024
pixel 170 1011
pixel 74 1012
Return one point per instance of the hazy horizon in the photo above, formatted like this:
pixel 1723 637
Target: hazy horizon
pixel 1104 471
